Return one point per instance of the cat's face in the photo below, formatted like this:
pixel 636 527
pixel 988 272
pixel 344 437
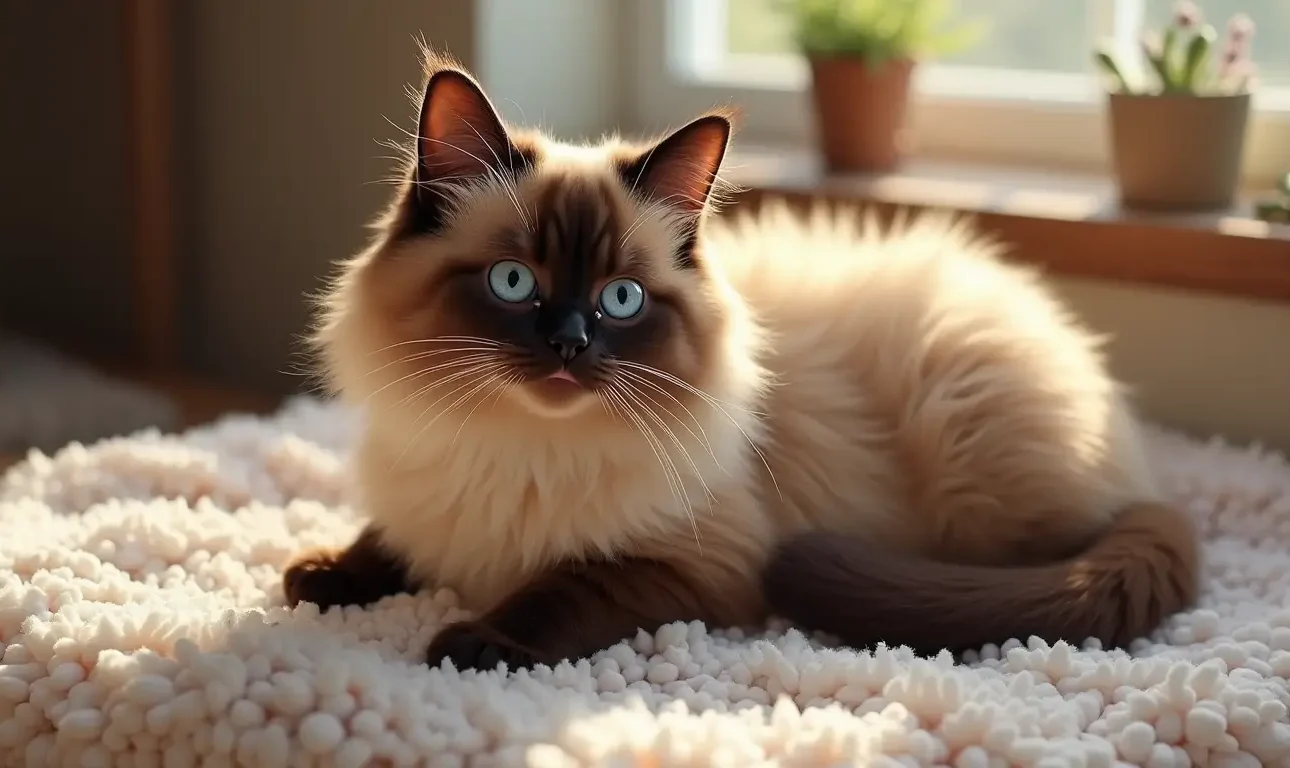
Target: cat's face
pixel 535 276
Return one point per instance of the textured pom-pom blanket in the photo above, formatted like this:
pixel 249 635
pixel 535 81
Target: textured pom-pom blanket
pixel 140 624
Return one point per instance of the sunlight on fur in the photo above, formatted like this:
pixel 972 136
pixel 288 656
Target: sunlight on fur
pixel 568 361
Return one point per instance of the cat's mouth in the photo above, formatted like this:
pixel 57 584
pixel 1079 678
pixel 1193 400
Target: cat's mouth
pixel 557 393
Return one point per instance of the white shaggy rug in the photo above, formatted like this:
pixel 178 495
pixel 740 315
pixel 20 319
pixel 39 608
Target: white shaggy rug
pixel 139 623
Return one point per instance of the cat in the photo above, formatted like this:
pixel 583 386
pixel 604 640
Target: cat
pixel 592 406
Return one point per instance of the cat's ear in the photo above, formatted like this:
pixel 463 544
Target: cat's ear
pixel 460 137
pixel 681 169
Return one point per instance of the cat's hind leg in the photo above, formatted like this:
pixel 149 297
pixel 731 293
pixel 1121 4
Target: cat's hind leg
pixel 360 574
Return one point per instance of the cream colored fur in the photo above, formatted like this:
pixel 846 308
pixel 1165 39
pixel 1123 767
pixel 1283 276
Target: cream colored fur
pixel 906 383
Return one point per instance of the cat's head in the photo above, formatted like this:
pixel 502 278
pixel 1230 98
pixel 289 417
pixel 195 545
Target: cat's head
pixel 541 277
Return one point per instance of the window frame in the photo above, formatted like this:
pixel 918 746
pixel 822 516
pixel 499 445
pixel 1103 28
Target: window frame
pixel 958 113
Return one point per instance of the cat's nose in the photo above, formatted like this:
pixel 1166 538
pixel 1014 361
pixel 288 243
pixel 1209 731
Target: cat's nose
pixel 570 337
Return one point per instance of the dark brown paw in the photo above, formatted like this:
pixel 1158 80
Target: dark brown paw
pixel 314 579
pixel 470 645
pixel 318 579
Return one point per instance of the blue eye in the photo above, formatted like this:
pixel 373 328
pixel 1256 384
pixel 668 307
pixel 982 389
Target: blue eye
pixel 511 281
pixel 622 298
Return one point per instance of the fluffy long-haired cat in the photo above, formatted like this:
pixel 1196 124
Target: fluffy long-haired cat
pixel 593 407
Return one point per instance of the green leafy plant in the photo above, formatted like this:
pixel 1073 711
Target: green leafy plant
pixel 1277 209
pixel 1182 60
pixel 879 30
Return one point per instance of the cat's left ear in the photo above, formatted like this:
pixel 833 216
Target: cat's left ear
pixel 681 169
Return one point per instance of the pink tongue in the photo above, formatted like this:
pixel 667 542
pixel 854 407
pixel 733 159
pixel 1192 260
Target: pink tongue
pixel 563 375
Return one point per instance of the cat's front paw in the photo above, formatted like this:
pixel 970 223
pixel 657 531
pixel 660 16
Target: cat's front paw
pixel 472 645
pixel 318 578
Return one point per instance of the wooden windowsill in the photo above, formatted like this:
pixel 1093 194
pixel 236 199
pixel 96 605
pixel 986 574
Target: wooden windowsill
pixel 1067 224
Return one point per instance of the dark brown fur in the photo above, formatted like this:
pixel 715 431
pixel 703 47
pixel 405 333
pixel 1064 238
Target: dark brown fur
pixel 573 611
pixel 566 613
pixel 1144 568
pixel 360 574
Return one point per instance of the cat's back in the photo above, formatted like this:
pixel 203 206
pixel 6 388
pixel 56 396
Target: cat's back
pixel 919 371
pixel 828 268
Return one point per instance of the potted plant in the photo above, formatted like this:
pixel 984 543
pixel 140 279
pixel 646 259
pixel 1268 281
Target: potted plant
pixel 862 54
pixel 1178 133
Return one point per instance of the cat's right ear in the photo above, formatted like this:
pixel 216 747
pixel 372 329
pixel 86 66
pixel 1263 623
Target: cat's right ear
pixel 460 139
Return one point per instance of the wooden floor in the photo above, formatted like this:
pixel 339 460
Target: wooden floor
pixel 199 403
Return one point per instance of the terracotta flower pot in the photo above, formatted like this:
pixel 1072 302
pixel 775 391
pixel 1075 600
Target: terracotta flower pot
pixel 860 111
pixel 1178 152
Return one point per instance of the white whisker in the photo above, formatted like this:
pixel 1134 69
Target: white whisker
pixel 497 389
pixel 496 174
pixel 460 339
pixel 508 183
pixel 432 353
pixel 715 403
pixel 670 472
pixel 467 360
pixel 702 435
pixel 635 394
pixel 480 373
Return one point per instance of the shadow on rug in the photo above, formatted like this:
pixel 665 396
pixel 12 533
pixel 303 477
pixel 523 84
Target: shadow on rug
pixel 139 623
pixel 48 399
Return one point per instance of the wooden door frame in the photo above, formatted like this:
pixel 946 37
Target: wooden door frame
pixel 147 28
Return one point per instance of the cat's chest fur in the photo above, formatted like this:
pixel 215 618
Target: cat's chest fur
pixel 480 515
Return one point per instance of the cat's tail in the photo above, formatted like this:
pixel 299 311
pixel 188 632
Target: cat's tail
pixel 1143 568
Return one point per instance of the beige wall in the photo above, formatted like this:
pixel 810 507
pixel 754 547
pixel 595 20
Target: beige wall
pixel 287 101
pixel 565 82
pixel 1204 364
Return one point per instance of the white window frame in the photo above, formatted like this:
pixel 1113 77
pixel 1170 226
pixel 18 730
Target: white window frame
pixel 958 113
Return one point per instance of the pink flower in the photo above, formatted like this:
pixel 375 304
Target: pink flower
pixel 1186 14
pixel 1231 57
pixel 1236 51
pixel 1242 75
pixel 1240 29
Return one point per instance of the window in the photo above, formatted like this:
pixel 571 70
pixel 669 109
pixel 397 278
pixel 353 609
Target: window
pixel 1038 37
pixel 1028 93
pixel 1023 34
pixel 1272 20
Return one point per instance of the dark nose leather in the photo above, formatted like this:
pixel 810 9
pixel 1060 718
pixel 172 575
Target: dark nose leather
pixel 570 336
